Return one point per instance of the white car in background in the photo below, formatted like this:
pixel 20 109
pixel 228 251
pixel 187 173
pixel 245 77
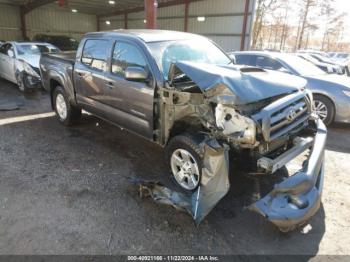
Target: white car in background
pixel 19 62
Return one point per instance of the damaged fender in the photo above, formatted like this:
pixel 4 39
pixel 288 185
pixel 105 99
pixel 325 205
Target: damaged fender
pixel 213 187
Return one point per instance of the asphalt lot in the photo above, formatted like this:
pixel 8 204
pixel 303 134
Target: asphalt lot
pixel 69 191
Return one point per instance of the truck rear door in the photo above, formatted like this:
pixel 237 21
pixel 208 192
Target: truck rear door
pixel 89 73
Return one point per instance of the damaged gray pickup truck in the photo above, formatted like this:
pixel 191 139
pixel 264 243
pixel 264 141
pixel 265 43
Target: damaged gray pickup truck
pixel 182 92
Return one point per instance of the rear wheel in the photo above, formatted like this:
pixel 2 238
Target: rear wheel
pixel 324 109
pixel 66 113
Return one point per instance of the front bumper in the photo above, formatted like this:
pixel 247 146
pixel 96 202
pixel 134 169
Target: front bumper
pixel 296 199
pixel 31 82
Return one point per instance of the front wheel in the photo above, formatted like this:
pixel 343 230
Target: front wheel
pixel 324 109
pixel 185 158
pixel 67 114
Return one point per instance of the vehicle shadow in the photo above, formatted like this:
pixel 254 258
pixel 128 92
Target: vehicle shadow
pixel 339 138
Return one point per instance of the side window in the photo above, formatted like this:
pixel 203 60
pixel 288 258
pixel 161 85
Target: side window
pixel 95 54
pixel 268 63
pixel 125 55
pixel 4 48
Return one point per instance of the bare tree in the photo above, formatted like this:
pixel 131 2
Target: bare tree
pixel 306 6
pixel 263 8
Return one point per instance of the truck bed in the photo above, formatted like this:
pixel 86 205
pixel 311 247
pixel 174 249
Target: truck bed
pixel 61 62
pixel 63 56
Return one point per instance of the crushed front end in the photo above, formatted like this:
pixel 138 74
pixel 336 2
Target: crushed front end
pixel 264 131
pixel 297 198
pixel 286 131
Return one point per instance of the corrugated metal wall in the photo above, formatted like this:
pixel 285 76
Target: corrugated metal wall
pixel 223 21
pixel 10 23
pixel 58 22
pixel 44 21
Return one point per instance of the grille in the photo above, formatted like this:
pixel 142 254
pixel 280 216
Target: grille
pixel 283 116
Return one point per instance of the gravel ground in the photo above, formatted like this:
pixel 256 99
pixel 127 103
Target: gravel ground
pixel 69 191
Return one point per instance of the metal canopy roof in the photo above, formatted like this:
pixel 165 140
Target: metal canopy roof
pixel 96 7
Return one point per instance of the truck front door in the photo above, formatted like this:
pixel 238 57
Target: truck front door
pixel 132 101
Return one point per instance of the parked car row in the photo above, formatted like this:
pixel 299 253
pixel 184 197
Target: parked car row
pixel 339 60
pixel 331 92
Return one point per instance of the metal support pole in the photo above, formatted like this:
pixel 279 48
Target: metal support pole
pixel 244 27
pixel 187 7
pixel 125 20
pixel 151 13
pixel 23 23
pixel 98 23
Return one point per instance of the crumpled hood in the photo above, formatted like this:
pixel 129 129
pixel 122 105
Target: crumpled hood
pixel 33 60
pixel 330 79
pixel 247 87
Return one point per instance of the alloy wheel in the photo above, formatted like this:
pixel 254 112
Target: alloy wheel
pixel 185 169
pixel 321 109
pixel 61 107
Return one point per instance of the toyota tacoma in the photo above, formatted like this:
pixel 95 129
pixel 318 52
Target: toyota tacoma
pixel 183 92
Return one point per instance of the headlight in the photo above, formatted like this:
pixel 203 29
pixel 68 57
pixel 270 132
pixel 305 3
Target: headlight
pixel 346 92
pixel 232 124
pixel 28 69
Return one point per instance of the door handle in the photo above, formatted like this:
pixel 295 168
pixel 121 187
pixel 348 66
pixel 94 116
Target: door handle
pixel 80 74
pixel 110 84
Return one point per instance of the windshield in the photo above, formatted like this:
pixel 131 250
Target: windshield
pixel 342 56
pixel 201 51
pixel 301 66
pixel 35 49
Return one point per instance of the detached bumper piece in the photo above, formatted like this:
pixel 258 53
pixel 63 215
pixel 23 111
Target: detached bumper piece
pixel 292 202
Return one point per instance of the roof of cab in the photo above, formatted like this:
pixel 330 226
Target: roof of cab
pixel 148 35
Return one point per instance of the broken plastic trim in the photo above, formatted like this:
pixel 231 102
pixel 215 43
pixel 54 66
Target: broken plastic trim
pixel 213 187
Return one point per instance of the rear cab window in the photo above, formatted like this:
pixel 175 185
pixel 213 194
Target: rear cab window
pixel 95 54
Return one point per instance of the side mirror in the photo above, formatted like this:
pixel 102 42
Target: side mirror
pixel 134 73
pixel 11 53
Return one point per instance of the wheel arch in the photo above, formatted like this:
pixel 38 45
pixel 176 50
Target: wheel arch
pixel 328 97
pixel 188 124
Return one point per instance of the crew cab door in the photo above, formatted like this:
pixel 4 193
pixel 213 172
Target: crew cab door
pixel 7 62
pixel 132 100
pixel 89 73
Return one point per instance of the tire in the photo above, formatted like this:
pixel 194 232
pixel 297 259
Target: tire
pixel 66 113
pixel 324 108
pixel 187 148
